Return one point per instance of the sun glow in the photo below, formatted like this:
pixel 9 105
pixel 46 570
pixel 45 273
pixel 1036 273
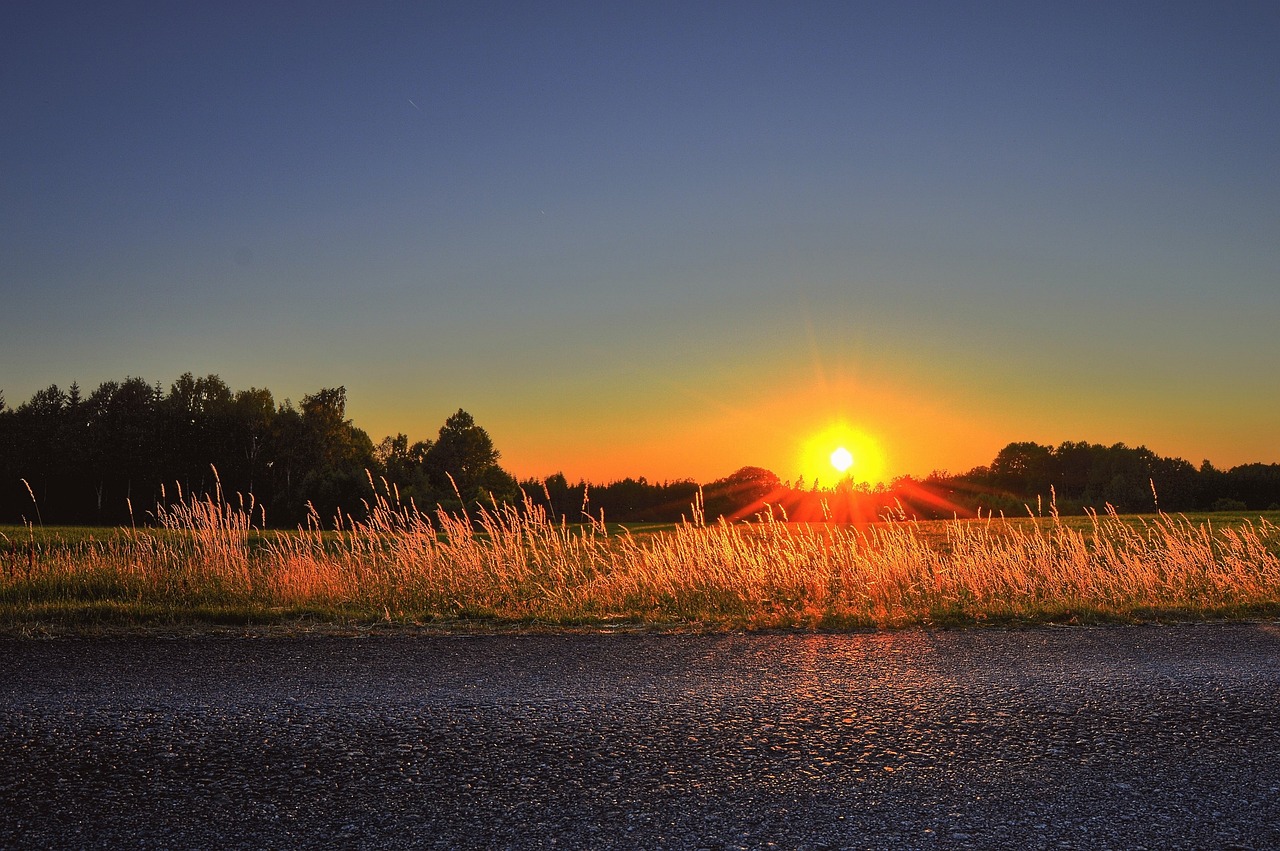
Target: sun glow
pixel 841 453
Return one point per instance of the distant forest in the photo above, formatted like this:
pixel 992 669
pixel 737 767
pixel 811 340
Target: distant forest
pixel 113 456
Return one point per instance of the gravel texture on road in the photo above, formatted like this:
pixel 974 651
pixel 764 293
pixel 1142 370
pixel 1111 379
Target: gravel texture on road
pixel 1139 737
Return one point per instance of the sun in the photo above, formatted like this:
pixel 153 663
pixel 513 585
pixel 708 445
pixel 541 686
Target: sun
pixel 841 452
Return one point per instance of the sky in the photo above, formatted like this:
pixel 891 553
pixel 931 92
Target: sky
pixel 663 239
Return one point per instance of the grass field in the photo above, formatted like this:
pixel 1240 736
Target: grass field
pixel 203 564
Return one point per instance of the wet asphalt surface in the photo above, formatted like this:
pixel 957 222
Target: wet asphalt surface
pixel 1150 737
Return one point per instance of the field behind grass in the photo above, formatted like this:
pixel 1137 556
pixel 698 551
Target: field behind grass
pixel 203 564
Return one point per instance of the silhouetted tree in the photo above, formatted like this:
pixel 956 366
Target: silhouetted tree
pixel 1256 485
pixel 562 500
pixel 124 457
pixel 252 413
pixel 36 425
pixel 1213 484
pixel 197 425
pixel 1025 468
pixel 404 465
pixel 463 457
pixel 743 492
pixel 336 455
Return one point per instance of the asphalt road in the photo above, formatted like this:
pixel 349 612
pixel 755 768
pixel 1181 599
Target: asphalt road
pixel 1151 737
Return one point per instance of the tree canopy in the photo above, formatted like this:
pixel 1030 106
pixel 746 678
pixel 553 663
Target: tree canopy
pixel 112 457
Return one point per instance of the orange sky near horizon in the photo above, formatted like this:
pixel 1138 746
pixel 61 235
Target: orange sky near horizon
pixel 789 422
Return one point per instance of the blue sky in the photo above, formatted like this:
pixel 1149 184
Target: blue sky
pixel 661 239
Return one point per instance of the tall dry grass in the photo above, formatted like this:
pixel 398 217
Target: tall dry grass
pixel 204 559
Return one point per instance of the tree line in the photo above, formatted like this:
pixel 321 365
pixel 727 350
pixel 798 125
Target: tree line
pixel 112 456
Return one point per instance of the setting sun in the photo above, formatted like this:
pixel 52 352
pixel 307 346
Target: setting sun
pixel 846 452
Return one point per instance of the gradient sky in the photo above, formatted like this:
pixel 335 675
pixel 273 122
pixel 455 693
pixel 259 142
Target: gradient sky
pixel 661 240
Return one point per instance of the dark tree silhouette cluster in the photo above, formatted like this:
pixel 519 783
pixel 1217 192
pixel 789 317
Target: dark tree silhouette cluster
pixel 1023 478
pixel 112 456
